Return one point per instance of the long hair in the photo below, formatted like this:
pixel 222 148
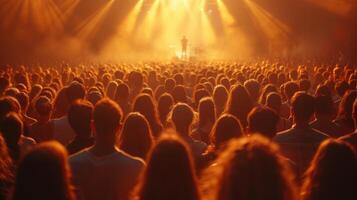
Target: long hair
pixel 249 168
pixel 239 104
pixel 165 104
pixel 144 104
pixel 6 169
pixel 226 127
pixel 169 174
pixel 346 104
pixel 44 174
pixel 332 173
pixel 136 138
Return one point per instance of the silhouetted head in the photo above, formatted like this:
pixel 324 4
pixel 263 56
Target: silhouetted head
pixel 136 138
pixel 75 91
pixel 332 173
pixel 182 117
pixel 43 107
pixel 80 118
pixel 345 108
pixel 274 101
pixel 220 96
pixel 44 174
pixel 239 103
pixel 7 105
pixel 253 88
pixel 169 173
pixel 249 168
pixel 165 104
pixel 226 128
pixel 206 111
pixel 263 120
pixel 302 107
pixel 107 116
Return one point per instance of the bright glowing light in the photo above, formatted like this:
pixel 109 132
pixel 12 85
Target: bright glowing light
pixel 89 27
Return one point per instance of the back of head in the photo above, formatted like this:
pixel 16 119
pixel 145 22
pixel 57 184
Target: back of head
pixel 220 95
pixel 44 174
pixel 263 120
pixel 11 128
pixel 43 106
pixel 333 169
pixel 346 104
pixel 23 100
pixel 122 91
pixel 239 103
pixel 144 104
pixel 107 117
pixel 75 91
pixel 206 111
pixel 7 105
pixel 169 173
pixel 249 168
pixel 135 79
pixel 182 116
pixel 179 94
pixel 274 101
pixel 290 88
pixel 303 106
pixel 226 127
pixel 253 88
pixel 136 137
pixel 80 116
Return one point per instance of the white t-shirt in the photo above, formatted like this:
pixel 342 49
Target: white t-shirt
pixel 110 177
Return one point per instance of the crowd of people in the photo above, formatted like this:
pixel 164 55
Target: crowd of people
pixel 179 131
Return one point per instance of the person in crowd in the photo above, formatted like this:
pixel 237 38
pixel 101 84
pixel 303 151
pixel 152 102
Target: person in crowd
pixel 169 174
pixel 44 174
pixel 263 120
pixel 7 170
pixel 42 130
pixel 164 106
pixel 104 171
pixel 253 88
pixel 300 142
pixel 227 127
pixel 324 114
pixel 220 97
pixel 352 137
pixel 344 117
pixel 182 117
pixel 122 98
pixel 332 173
pixel 136 138
pixel 62 131
pixel 239 104
pixel 80 118
pixel 274 102
pixel 206 119
pixel 249 168
pixel 290 88
pixel 145 105
pixel 12 129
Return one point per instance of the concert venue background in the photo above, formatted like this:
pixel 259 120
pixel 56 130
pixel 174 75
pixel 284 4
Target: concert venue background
pixel 114 30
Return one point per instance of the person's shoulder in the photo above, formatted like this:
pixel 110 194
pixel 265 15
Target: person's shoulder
pixel 319 134
pixel 127 159
pixel 350 137
pixel 27 140
pixel 283 135
pixel 78 157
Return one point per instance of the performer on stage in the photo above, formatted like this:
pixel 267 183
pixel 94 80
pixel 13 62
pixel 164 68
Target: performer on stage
pixel 184 43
